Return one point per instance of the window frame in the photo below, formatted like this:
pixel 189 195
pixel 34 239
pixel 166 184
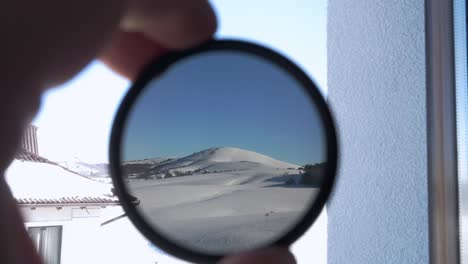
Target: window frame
pixel 461 89
pixel 60 238
pixel 444 240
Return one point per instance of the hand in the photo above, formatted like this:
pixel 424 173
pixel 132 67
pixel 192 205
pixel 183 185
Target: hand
pixel 46 43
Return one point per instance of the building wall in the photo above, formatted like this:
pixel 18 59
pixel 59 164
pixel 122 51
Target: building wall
pixel 82 237
pixel 376 87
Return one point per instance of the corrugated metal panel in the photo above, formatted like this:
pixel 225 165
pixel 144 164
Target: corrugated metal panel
pixel 67 200
pixel 25 155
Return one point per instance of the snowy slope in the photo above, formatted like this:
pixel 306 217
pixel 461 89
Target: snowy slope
pixel 233 200
pixel 87 169
pixel 230 154
pixel 221 159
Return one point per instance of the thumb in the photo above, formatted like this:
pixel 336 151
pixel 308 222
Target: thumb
pixel 275 255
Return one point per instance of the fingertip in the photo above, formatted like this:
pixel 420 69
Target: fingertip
pixel 129 52
pixel 152 28
pixel 174 24
pixel 270 255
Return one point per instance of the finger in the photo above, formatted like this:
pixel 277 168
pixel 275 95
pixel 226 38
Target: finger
pixel 56 39
pixel 175 24
pixel 129 52
pixel 270 255
pixel 150 28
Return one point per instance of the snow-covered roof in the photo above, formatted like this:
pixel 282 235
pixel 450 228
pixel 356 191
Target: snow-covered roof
pixel 36 181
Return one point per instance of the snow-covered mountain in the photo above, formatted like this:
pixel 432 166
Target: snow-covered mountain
pixel 222 159
pixel 230 155
pixel 91 170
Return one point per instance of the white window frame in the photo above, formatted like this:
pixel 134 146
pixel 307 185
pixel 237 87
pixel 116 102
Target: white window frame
pixel 60 238
pixel 461 89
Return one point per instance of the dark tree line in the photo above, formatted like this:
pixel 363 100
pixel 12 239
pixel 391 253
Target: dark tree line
pixel 313 174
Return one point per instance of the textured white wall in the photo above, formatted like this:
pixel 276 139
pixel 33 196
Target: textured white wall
pixel 376 87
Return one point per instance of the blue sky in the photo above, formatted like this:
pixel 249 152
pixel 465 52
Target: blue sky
pixel 75 120
pixel 225 99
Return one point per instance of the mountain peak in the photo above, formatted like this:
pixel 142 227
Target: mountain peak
pixel 233 154
pixel 212 160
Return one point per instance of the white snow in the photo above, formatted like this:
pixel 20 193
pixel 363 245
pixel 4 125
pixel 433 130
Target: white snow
pixel 230 154
pixel 83 168
pixel 255 203
pixel 214 212
pixel 224 159
pixel 43 180
pixel 123 243
pixel 221 212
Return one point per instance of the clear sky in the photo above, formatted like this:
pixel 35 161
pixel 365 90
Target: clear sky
pixel 75 120
pixel 225 99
